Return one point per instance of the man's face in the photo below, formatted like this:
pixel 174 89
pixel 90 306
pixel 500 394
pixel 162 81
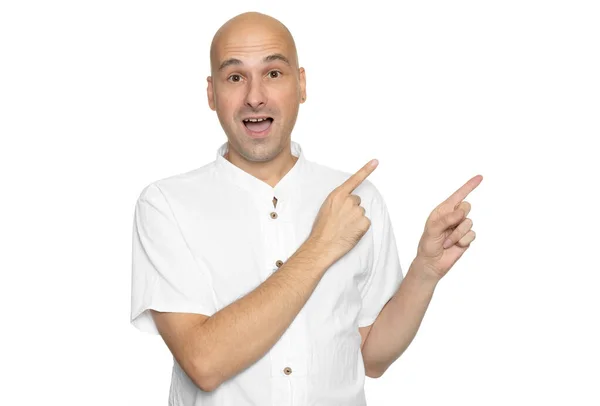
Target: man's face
pixel 254 75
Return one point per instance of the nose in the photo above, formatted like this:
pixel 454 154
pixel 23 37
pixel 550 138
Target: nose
pixel 256 96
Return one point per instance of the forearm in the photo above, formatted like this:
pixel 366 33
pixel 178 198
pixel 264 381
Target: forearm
pixel 398 323
pixel 242 332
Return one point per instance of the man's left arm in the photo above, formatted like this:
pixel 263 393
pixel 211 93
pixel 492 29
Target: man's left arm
pixel 447 236
pixel 398 322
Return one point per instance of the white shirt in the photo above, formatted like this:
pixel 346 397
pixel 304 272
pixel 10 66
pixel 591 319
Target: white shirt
pixel 205 238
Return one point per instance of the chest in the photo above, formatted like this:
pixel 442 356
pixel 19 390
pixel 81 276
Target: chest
pixel 239 244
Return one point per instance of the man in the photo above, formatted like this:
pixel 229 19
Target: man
pixel 272 279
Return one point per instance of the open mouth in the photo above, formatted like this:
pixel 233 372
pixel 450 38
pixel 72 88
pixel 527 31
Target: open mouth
pixel 258 126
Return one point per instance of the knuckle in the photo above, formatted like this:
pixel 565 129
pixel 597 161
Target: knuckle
pixel 448 219
pixel 451 236
pixel 336 195
pixel 459 217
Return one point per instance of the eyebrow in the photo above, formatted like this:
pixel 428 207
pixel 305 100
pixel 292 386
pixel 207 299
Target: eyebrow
pixel 266 59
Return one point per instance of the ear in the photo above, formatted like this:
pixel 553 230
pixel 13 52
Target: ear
pixel 210 93
pixel 302 85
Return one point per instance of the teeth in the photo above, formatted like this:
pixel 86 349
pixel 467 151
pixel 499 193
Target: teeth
pixel 255 120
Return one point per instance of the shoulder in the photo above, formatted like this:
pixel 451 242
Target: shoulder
pixel 178 186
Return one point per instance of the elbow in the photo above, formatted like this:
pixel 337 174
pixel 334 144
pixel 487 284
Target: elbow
pixel 373 373
pixel 206 379
pixel 206 384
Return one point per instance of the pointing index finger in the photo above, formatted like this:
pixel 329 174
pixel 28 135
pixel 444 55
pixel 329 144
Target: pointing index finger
pixel 463 191
pixel 355 180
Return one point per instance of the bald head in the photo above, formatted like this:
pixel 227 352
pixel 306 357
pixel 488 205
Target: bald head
pixel 256 86
pixel 248 31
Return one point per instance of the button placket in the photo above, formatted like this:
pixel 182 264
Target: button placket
pixel 274 215
pixel 272 250
pixel 277 230
pixel 298 348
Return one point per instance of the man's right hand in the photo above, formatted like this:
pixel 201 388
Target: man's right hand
pixel 341 221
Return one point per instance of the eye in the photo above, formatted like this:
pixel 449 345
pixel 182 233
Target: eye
pixel 274 71
pixel 235 76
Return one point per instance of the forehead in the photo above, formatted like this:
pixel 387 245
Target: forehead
pixel 252 44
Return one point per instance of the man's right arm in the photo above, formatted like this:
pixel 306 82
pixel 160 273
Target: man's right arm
pixel 213 349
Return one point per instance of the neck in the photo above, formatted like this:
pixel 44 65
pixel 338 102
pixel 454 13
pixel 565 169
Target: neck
pixel 270 171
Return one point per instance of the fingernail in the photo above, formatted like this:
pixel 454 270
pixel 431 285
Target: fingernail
pixel 447 243
pixel 374 162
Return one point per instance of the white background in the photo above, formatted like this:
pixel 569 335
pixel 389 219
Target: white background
pixel 98 99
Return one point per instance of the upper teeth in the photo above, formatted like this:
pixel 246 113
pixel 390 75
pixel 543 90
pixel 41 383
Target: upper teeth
pixel 255 120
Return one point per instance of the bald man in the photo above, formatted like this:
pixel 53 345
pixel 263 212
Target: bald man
pixel 267 274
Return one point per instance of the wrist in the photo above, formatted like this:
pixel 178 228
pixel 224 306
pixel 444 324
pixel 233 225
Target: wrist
pixel 319 252
pixel 420 269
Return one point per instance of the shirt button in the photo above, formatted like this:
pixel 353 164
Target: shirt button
pixel 287 370
pixel 273 215
pixel 279 263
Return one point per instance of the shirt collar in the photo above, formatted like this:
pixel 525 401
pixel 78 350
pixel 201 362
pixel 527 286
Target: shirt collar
pixel 256 187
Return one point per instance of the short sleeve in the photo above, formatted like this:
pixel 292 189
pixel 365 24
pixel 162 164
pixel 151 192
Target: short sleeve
pixel 386 274
pixel 165 276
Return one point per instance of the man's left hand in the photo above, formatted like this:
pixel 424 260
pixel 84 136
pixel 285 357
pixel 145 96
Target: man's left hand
pixel 448 232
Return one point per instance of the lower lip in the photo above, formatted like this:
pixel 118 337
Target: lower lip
pixel 254 134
